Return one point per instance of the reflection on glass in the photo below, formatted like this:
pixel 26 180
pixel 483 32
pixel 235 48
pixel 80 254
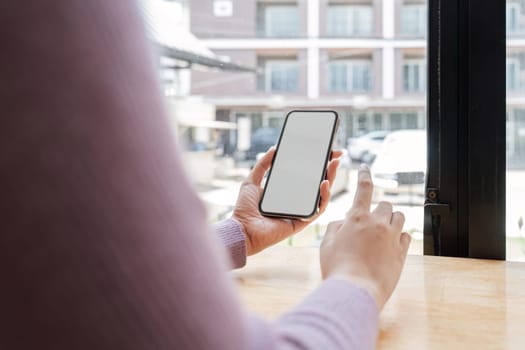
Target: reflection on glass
pixel 242 65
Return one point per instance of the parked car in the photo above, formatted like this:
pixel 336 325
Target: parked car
pixel 365 147
pixel 261 140
pixel 400 165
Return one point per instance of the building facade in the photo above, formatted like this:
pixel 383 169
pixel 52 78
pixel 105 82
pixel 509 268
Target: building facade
pixel 364 58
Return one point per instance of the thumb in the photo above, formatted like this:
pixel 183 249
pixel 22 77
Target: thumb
pixel 261 167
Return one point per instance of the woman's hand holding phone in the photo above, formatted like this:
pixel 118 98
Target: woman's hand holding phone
pixel 366 248
pixel 262 231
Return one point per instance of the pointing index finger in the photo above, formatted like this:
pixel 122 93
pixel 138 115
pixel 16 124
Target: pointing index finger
pixel 365 188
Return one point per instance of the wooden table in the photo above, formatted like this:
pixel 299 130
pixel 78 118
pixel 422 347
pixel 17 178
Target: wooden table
pixel 439 303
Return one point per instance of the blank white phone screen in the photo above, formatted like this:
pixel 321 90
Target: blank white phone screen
pixel 293 184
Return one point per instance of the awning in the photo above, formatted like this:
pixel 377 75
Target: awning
pixel 203 60
pixel 165 27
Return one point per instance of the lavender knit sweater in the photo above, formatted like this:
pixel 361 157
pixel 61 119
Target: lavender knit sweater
pixel 104 243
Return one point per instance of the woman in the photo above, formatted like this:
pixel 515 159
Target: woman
pixel 105 244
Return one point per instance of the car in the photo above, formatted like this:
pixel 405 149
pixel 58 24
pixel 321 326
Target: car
pixel 261 140
pixel 365 147
pixel 400 165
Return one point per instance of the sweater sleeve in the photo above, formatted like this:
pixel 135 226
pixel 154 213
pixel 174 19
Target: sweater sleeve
pixel 230 234
pixel 337 315
pixel 105 244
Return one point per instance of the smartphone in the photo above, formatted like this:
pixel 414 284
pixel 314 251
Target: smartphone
pixel 299 165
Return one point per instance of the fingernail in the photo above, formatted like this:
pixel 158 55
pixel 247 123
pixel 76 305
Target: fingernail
pixel 364 166
pixel 270 149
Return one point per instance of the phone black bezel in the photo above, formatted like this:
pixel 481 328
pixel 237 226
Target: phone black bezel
pixel 323 176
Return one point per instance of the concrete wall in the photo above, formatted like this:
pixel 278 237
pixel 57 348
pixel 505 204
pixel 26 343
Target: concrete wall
pixel 242 23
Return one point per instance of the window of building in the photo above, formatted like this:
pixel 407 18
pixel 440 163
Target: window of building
pixel 349 20
pixel 513 17
pixel 378 121
pixel 411 120
pixel 414 20
pixel 350 76
pixel 277 20
pixel 513 74
pixel 280 75
pixel 414 75
pixel 396 121
pixel 362 123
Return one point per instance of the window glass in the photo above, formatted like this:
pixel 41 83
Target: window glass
pixel 362 123
pixel 236 74
pixel 514 75
pixel 414 75
pixel 378 121
pixel 281 76
pixel 396 121
pixel 349 20
pixel 514 17
pixel 414 20
pixel 350 76
pixel 278 20
pixel 411 120
pixel 515 180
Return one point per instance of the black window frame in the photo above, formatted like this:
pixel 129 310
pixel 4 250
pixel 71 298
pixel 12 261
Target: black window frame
pixel 465 185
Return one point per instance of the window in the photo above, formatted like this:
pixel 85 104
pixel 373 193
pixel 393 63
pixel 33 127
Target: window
pixel 414 75
pixel 465 202
pixel 279 76
pixel 467 113
pixel 362 122
pixel 411 119
pixel 414 20
pixel 349 20
pixel 396 122
pixel 513 17
pixel 347 59
pixel 515 141
pixel 378 121
pixel 278 20
pixel 513 74
pixel 350 76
